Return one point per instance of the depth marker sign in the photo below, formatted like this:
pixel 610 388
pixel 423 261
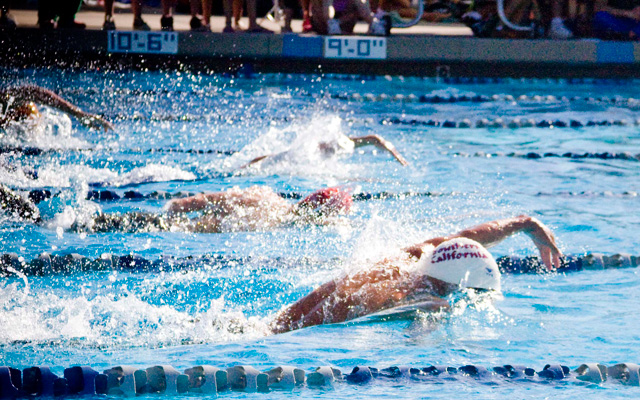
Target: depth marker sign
pixel 143 42
pixel 355 47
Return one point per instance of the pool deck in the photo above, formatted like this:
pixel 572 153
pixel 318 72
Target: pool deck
pixel 423 50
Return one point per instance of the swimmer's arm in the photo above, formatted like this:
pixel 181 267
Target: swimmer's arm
pixel 334 297
pixel 256 160
pixel 332 302
pixel 188 204
pixel 46 97
pixel 380 143
pixel 304 312
pixel 198 202
pixel 491 233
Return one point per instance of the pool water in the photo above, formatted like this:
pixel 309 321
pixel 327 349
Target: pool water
pixel 188 132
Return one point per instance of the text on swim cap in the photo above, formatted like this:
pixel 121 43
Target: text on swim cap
pixel 455 252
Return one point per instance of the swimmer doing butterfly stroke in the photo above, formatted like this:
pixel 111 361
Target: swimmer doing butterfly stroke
pixel 423 274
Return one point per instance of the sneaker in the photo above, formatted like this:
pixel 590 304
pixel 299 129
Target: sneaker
pixel 558 30
pixel 6 22
pixel 46 25
pixel 140 25
pixel 228 29
pixel 380 26
pixel 333 27
pixel 166 23
pixel 109 24
pixel 286 29
pixel 195 24
pixel 306 26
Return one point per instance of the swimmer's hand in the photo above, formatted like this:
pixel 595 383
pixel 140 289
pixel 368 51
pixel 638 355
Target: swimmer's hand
pixel 545 242
pixel 94 121
pixel 380 143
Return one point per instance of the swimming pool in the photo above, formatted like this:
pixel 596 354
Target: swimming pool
pixel 183 132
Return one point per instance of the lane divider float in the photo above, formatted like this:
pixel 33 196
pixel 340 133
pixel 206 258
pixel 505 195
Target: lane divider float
pixel 130 381
pixel 500 123
pixel 48 264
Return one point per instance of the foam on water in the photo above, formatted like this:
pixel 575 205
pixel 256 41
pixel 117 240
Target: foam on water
pixel 146 174
pixel 50 130
pixel 109 313
pixel 55 175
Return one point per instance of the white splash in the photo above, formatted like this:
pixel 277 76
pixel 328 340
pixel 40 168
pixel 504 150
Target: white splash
pixel 50 130
pixel 54 175
pixel 77 211
pixel 124 319
pixel 150 173
pixel 295 149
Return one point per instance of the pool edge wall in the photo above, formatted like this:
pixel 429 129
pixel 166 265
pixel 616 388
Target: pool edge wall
pixel 416 55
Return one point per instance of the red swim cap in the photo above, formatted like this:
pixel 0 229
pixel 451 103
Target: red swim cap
pixel 328 201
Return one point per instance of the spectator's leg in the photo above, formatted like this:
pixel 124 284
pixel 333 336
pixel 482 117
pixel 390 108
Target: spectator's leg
pixel 138 23
pixel 348 22
pixel 166 22
pixel 287 10
pixel 67 14
pixel 109 23
pixel 5 20
pixel 252 11
pixel 363 10
pixel 46 14
pixel 319 10
pixel 558 30
pixel 306 20
pixel 196 23
pixel 237 13
pixel 227 6
pixel 206 12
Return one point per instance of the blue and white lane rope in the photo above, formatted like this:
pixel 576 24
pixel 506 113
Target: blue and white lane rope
pixel 40 381
pixel 429 98
pixel 108 195
pixel 47 264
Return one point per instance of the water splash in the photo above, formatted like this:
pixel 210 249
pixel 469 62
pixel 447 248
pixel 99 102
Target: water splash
pixel 149 173
pixel 81 313
pixel 50 130
pixel 294 149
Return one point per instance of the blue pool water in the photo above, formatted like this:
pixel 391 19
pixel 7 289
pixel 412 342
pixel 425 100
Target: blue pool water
pixel 218 314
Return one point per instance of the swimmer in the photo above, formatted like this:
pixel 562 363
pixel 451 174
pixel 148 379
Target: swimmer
pixel 20 103
pixel 18 206
pixel 421 274
pixel 344 145
pixel 250 209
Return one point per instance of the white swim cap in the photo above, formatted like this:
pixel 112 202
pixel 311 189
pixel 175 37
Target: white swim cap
pixel 463 262
pixel 339 145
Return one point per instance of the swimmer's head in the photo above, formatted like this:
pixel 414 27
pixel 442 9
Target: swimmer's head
pixel 326 202
pixel 463 262
pixel 340 145
pixel 24 111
